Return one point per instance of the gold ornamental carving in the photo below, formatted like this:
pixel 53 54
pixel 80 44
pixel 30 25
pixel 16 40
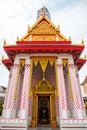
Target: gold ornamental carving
pixel 43 37
pixel 43 62
pixel 43 28
pixel 43 86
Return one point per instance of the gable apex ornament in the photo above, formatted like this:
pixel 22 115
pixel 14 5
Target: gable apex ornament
pixel 43 12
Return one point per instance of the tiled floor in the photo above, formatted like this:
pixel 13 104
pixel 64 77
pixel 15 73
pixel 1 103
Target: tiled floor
pixel 50 128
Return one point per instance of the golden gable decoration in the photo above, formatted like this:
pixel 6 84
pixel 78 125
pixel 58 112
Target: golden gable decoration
pixel 43 86
pixel 44 30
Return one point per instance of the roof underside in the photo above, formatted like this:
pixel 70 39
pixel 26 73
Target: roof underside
pixel 48 47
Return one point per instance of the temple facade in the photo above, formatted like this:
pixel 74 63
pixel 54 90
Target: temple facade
pixel 43 86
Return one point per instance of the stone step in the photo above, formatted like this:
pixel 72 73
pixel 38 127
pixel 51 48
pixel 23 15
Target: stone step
pixel 13 128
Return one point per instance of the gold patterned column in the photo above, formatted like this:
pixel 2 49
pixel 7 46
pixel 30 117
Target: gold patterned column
pixel 54 122
pixel 34 112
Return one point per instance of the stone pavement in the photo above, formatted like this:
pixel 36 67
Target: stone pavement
pixel 51 128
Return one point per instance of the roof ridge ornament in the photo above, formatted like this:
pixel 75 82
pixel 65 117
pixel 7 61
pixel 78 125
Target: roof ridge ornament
pixel 82 42
pixel 17 38
pixel 2 57
pixel 85 58
pixel 4 42
pixel 29 28
pixel 58 28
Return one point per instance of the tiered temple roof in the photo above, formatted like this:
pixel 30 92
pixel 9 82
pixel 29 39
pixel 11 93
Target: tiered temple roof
pixel 43 37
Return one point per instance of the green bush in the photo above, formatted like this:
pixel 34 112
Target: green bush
pixel 1 107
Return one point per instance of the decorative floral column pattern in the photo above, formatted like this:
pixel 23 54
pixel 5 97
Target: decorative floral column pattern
pixel 5 101
pixel 25 89
pixel 78 105
pixel 62 93
pixel 82 102
pixel 10 94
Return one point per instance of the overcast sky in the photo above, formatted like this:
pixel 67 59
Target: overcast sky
pixel 16 15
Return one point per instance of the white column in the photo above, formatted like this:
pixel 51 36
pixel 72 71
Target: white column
pixel 77 98
pixel 62 93
pixel 9 99
pixel 25 90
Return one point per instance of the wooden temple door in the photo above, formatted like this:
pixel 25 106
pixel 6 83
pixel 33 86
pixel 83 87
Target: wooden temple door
pixel 43 110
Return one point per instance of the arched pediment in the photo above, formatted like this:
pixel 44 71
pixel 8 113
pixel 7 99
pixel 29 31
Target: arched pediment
pixel 43 86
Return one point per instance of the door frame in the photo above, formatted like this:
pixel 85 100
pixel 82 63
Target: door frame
pixel 43 88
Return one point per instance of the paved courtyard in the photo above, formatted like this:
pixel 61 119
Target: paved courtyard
pixel 50 128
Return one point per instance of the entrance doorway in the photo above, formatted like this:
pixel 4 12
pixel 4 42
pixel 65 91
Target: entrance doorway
pixel 43 110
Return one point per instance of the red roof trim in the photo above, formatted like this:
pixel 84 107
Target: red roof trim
pixel 43 57
pixel 43 42
pixel 81 61
pixel 43 47
pixel 6 61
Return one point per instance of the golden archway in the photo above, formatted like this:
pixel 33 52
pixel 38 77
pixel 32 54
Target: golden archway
pixel 43 92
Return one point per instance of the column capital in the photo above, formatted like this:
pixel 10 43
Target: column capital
pixel 16 65
pixel 59 65
pixel 71 65
pixel 27 65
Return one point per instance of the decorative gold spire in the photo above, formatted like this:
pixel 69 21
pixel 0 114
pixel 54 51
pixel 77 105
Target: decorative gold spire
pixel 82 42
pixel 4 42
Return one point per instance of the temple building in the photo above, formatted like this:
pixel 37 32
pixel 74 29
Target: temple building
pixel 43 87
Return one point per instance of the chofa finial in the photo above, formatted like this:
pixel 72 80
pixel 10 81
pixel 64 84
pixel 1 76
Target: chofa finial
pixel 4 42
pixel 58 27
pixel 17 38
pixel 82 42
pixel 2 57
pixel 85 57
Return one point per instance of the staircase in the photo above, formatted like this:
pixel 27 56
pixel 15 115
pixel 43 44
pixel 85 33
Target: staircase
pixel 13 124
